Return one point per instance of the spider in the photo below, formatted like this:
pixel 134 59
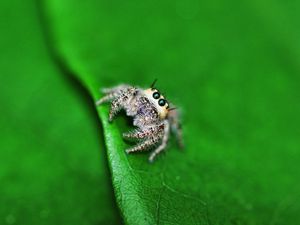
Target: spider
pixel 151 114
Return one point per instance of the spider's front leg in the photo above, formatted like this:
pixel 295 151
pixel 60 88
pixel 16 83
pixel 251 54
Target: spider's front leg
pixel 122 100
pixel 115 89
pixel 111 93
pixel 119 97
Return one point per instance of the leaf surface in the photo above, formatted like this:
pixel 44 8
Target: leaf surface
pixel 52 168
pixel 233 70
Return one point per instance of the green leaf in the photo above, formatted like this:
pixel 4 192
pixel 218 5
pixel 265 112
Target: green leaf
pixel 232 68
pixel 52 167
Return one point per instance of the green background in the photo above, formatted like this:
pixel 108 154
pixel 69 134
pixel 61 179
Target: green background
pixel 231 67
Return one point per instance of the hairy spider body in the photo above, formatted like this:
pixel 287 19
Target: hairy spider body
pixel 151 115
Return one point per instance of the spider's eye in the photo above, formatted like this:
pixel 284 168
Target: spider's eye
pixel 156 95
pixel 162 102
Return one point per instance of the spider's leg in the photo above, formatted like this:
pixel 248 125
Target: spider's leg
pixel 116 89
pixel 116 106
pixel 137 133
pixel 148 132
pixel 111 93
pixel 145 145
pixel 176 127
pixel 122 100
pixel 106 98
pixel 163 145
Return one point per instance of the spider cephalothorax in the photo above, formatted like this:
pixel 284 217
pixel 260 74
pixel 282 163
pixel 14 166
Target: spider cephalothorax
pixel 151 114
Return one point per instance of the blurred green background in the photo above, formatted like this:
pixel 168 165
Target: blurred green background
pixel 232 67
pixel 53 168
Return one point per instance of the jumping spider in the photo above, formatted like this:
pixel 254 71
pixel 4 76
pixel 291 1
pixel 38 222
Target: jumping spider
pixel 151 115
